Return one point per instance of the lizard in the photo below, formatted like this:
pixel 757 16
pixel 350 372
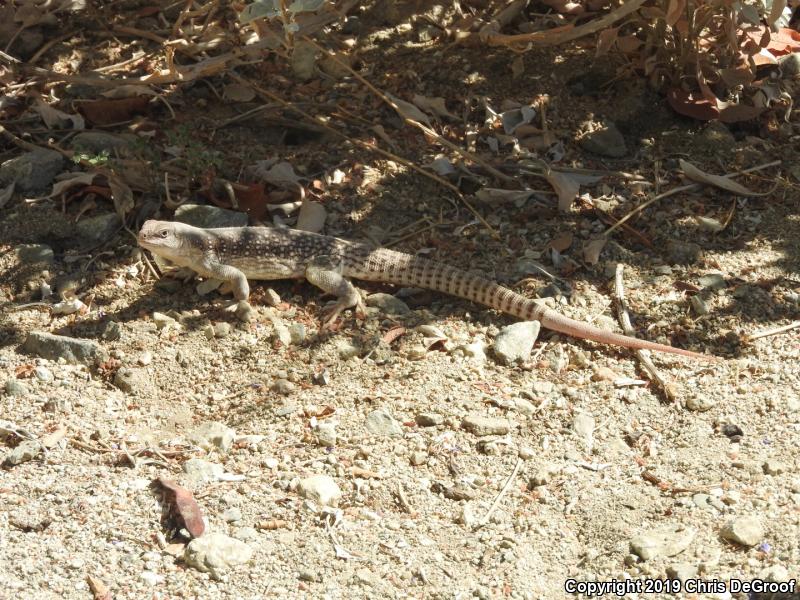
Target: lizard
pixel 236 254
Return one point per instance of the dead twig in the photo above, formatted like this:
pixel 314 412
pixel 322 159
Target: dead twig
pixel 644 356
pixel 507 485
pixel 769 332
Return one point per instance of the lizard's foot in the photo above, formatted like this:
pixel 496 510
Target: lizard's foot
pixel 335 309
pixel 242 309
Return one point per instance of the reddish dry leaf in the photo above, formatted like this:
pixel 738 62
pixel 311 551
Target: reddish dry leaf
pixel 325 411
pixel 561 242
pixel 690 105
pixel 676 10
pixel 364 473
pixel 273 524
pixel 24 371
pixel 393 334
pixel 117 110
pixel 185 507
pixel 606 39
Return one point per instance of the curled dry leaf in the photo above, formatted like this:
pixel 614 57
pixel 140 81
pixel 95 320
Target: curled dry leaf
pixel 393 334
pixel 592 249
pixel 496 195
pixel 99 589
pixel 565 187
pixel 409 111
pixel 238 92
pixel 184 506
pixel 56 119
pixel 561 242
pixel 122 196
pixel 312 216
pixel 725 183
pixel 434 106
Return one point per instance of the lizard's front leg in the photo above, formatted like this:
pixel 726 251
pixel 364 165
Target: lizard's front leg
pixel 237 281
pixel 325 272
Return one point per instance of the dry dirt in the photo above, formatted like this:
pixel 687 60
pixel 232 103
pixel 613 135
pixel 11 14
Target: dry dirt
pixel 583 461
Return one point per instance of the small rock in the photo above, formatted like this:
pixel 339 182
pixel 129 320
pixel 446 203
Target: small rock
pixel 429 419
pixel 281 333
pixel 232 515
pixel 790 65
pixel 774 573
pixel 388 304
pixel 204 215
pixel 774 466
pixel 33 171
pixel 476 350
pixel 297 333
pixel 222 330
pixel 216 552
pixel 26 450
pixel 514 342
pixel 700 402
pixel 97 142
pixel 112 331
pixel 682 571
pixel 346 349
pixel 126 379
pixel 34 253
pixel 283 387
pixel 418 458
pixel 542 388
pixel 543 476
pixel 145 358
pixel 683 253
pixel 379 422
pixel 321 489
pixel 151 578
pixel 525 407
pixel 245 534
pixel 605 141
pixel 98 228
pixel 326 433
pixel 202 471
pixel 213 434
pixel 482 426
pixel 662 542
pixel 72 350
pixel 303 61
pixel 746 531
pixel 14 387
pixel 42 374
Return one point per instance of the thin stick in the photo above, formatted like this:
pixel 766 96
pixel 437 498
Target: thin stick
pixel 683 188
pixel 627 328
pixel 775 331
pixel 507 485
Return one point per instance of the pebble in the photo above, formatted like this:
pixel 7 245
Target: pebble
pixel 297 333
pixel 346 349
pixel 388 304
pixel 525 407
pixel 202 471
pixel 163 321
pixel 126 379
pixel 776 573
pixel 33 171
pixel 222 330
pixel 151 577
pixel 326 433
pixel 213 434
pixel 481 426
pixel 55 347
pixel 543 475
pixel 662 542
pixel 605 141
pixel 96 229
pixel 246 534
pixel 542 387
pixel 514 342
pixel 145 358
pixel 42 374
pixel 232 515
pixel 321 489
pixel 418 458
pixel 476 350
pixel 429 419
pixel 205 215
pixel 14 387
pixel 773 466
pixel 112 331
pixel 216 552
pixel 380 422
pixel 790 65
pixel 283 387
pixel 682 571
pixel 26 450
pixel 746 531
pixel 700 402
pixel 97 142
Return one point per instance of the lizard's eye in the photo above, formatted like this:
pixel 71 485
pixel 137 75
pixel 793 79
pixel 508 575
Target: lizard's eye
pixel 164 233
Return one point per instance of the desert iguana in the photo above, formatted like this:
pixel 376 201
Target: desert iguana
pixel 236 254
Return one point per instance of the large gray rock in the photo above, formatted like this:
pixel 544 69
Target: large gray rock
pixel 72 350
pixel 33 171
pixel 215 553
pixel 202 215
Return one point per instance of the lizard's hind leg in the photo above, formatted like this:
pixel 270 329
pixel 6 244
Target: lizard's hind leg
pixel 325 272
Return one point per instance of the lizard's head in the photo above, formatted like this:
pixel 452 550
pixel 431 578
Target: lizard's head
pixel 165 238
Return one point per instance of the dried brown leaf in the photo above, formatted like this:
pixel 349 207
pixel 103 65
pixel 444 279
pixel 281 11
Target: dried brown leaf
pixel 725 183
pixel 113 110
pixel 312 216
pixel 122 196
pixel 409 111
pixel 592 249
pixel 605 40
pixel 56 119
pixel 100 590
pixel 434 106
pixel 565 187
pixel 675 11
